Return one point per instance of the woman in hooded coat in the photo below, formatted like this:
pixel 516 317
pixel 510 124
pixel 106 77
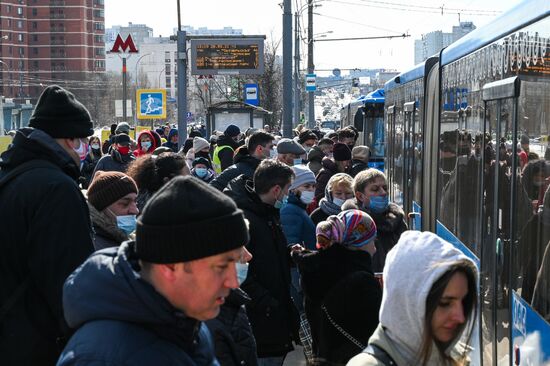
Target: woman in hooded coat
pixel 342 296
pixel 146 144
pixel 430 300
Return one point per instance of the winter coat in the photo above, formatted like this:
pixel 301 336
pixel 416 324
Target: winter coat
pixel 244 164
pixel 233 339
pixel 358 166
pixel 534 238
pixel 88 167
pixel 45 233
pixel 342 281
pixel 297 225
pixel 328 170
pixel 415 264
pixel 169 144
pixel 271 312
pixel 207 179
pixel 315 156
pixel 106 232
pixel 318 215
pixel 226 155
pixel 114 161
pixel 120 319
pixel 139 152
pixel 389 227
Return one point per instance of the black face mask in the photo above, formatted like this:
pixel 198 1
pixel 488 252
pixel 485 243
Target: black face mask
pixel 448 164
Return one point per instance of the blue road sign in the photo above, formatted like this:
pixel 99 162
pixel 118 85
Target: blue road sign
pixel 151 103
pixel 311 85
pixel 251 94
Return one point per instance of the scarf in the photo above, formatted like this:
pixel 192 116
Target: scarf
pixel 329 207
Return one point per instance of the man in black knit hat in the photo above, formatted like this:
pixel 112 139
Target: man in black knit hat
pixel 145 302
pixel 45 230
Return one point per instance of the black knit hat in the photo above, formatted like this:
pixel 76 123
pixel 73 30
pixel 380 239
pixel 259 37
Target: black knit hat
pixel 60 115
pixel 187 220
pixel 122 138
pixel 306 135
pixel 341 152
pixel 108 187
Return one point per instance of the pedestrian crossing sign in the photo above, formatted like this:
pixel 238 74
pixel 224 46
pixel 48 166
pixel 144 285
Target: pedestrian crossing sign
pixel 151 103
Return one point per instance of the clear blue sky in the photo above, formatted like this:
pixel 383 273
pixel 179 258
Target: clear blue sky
pixel 345 18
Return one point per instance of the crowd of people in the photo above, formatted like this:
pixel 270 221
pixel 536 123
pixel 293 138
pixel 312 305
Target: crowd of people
pixel 228 251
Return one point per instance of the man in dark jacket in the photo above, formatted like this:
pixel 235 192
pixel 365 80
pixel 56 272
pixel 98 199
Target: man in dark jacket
pixel 119 158
pixel 222 157
pixel 45 230
pixel 271 312
pixel 113 208
pixel 359 159
pixel 259 147
pixel 145 302
pixel 339 163
pixel 317 153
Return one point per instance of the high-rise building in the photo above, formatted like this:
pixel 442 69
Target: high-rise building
pixel 433 42
pixel 49 41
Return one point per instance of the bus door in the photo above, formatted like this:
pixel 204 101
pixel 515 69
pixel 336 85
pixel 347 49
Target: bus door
pixel 374 134
pixel 500 122
pixel 391 150
pixel 409 110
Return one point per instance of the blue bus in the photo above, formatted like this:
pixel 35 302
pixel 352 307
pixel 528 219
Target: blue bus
pixel 366 114
pixel 457 128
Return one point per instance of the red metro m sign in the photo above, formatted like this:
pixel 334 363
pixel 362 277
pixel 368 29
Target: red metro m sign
pixel 121 46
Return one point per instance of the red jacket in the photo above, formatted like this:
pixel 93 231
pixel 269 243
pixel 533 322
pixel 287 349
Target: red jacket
pixel 139 152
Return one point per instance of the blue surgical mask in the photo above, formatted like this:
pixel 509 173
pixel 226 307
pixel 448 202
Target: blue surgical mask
pixel 307 197
pixel 338 201
pixel 126 223
pixel 272 154
pixel 95 146
pixel 297 161
pixel 201 172
pixel 146 144
pixel 280 203
pixel 242 271
pixel 378 204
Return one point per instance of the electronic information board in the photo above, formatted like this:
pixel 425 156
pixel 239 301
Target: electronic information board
pixel 227 56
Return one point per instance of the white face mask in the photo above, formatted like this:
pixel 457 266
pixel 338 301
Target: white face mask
pixel 307 197
pixel 297 161
pixel 338 201
pixel 242 271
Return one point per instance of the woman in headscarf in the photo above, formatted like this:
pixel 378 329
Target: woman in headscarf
pixel 342 296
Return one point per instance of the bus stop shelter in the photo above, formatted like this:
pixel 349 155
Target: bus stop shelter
pixel 243 115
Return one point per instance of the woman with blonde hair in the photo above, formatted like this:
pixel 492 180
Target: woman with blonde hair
pixel 337 191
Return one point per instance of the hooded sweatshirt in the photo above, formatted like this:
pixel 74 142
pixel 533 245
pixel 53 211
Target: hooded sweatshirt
pixel 139 151
pixel 122 320
pixel 412 267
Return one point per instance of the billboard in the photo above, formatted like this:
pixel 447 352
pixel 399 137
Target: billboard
pixel 227 56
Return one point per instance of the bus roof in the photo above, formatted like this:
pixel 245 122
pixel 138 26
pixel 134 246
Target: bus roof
pixel 525 13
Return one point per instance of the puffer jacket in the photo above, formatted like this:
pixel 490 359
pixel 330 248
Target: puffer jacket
pixel 120 319
pixel 233 339
pixel 271 311
pixel 389 227
pixel 297 225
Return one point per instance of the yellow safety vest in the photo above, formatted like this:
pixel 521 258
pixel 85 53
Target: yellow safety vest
pixel 216 162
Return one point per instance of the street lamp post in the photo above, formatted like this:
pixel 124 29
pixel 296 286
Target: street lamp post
pixel 310 65
pixel 160 73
